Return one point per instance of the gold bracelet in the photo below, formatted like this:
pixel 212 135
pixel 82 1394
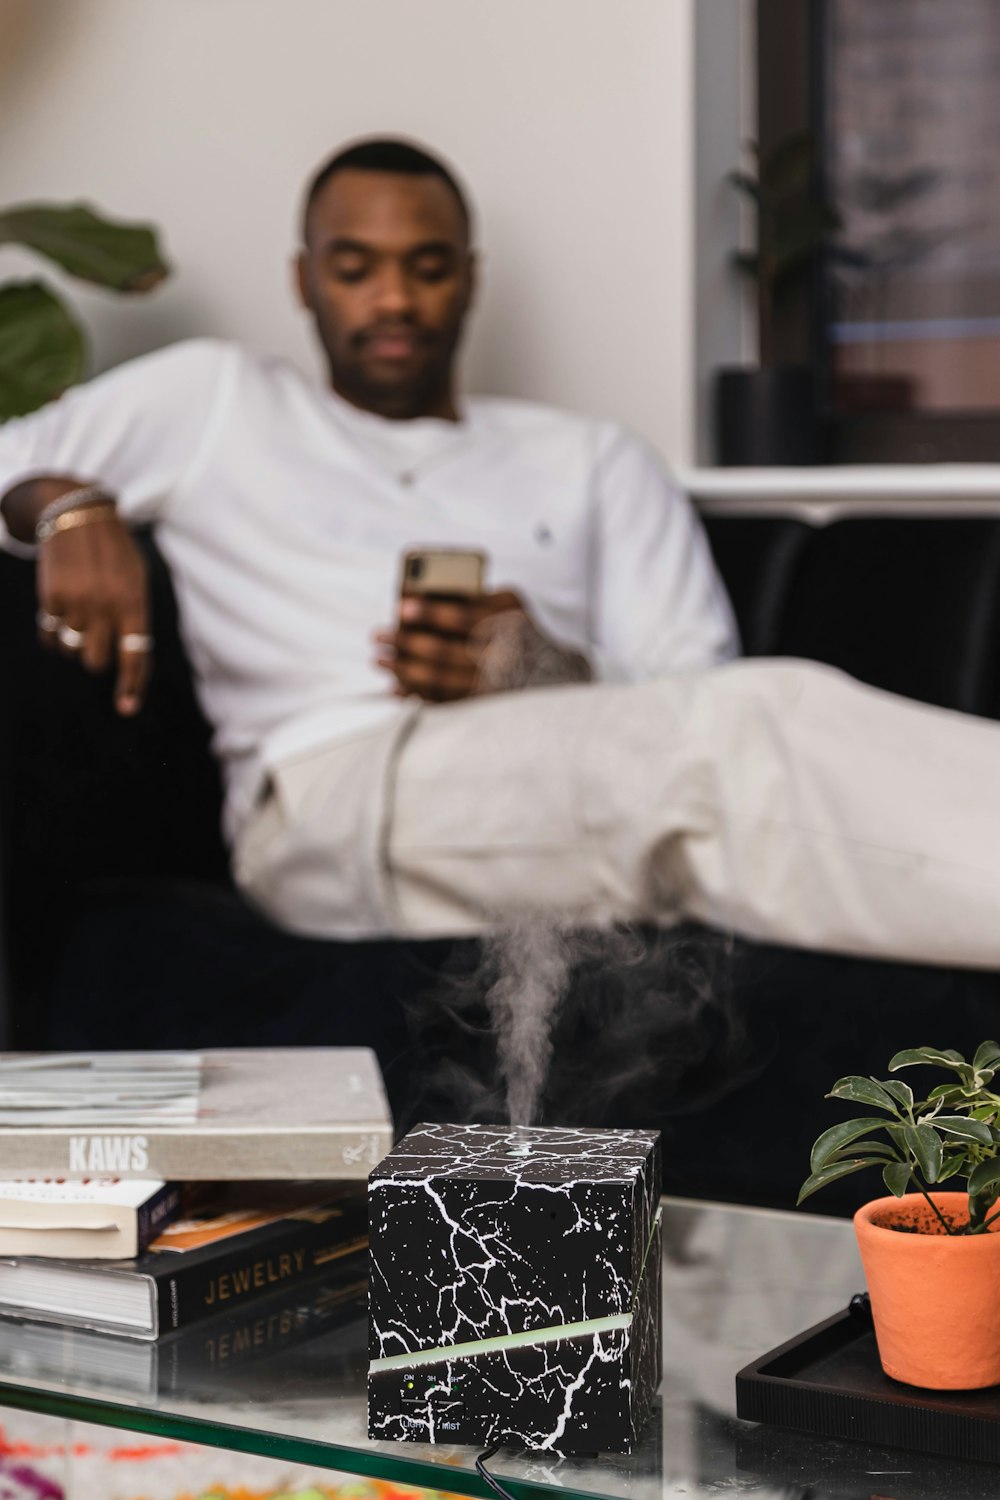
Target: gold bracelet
pixel 70 518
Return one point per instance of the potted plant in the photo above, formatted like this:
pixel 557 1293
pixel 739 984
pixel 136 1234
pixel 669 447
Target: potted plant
pixel 931 1258
pixel 770 415
pixel 42 347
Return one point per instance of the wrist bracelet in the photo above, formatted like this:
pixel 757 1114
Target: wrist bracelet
pixel 68 519
pixel 79 499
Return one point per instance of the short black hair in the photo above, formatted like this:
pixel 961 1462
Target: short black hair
pixel 385 154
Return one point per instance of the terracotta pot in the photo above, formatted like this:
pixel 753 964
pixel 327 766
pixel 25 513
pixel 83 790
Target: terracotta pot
pixel 935 1297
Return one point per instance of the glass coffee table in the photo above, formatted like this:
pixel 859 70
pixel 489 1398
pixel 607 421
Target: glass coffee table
pixel 736 1282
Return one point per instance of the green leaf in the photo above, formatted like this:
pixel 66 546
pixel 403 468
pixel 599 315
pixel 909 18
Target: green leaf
pixel 987 1056
pixel 926 1146
pixel 863 1091
pixel 952 1166
pixel 746 184
pixel 964 1128
pixel 947 1093
pixel 914 1055
pixel 875 1149
pixel 839 1136
pixel 900 1091
pixel 985 1175
pixel 42 349
pixel 789 166
pixel 124 257
pixel 896 1177
pixel 829 1174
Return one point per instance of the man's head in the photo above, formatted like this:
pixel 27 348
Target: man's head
pixel 387 271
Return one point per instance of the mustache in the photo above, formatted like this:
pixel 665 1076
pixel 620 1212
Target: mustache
pixel 399 325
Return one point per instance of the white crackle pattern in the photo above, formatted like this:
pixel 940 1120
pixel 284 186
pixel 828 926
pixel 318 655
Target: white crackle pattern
pixel 480 1232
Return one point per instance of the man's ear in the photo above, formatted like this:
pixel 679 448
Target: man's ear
pixel 302 280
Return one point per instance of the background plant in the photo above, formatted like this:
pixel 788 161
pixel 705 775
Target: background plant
pixel 43 348
pixel 793 222
pixel 953 1134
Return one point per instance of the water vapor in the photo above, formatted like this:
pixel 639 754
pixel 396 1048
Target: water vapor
pixel 545 1024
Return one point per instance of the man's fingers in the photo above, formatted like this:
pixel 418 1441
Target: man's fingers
pixel 95 653
pixel 431 680
pixel 134 665
pixel 135 654
pixel 70 634
pixel 449 616
pixel 425 646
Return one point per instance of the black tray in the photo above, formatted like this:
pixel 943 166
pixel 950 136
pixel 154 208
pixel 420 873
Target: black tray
pixel 828 1381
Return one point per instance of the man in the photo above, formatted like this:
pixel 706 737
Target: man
pixel 372 786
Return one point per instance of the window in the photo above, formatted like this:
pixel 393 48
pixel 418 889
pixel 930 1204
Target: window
pixel 904 313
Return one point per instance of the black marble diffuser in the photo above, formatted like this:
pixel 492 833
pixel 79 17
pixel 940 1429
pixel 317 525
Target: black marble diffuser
pixel 515 1287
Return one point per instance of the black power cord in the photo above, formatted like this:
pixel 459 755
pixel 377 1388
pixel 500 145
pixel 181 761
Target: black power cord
pixel 491 1479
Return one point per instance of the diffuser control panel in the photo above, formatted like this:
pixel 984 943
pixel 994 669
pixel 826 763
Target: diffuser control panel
pixel 429 1399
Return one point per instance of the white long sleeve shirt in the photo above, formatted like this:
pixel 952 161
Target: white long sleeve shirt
pixel 284 512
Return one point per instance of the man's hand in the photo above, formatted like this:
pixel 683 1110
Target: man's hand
pixel 447 649
pixel 94 604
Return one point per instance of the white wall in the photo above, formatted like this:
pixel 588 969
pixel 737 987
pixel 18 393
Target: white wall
pixel 570 119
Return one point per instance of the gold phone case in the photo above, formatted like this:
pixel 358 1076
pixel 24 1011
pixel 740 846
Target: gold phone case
pixel 440 571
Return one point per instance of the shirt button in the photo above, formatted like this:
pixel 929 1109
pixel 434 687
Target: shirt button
pixel 407 477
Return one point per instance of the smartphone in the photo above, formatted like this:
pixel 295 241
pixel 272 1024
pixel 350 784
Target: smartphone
pixel 451 574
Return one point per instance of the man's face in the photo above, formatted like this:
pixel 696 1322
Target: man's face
pixel 387 274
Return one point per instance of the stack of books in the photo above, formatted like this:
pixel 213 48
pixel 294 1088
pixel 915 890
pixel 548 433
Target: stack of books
pixel 144 1194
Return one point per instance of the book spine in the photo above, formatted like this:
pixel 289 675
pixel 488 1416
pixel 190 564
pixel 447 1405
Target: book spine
pixel 343 1153
pixel 236 1274
pixel 157 1211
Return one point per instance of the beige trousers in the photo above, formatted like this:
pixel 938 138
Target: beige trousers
pixel 777 798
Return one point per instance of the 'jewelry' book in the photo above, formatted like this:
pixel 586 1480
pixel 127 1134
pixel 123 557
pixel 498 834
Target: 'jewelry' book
pixel 238 1245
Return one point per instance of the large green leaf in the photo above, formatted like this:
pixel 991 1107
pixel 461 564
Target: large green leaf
pixel 896 1177
pixel 817 1180
pixel 838 1136
pixel 947 1093
pixel 42 349
pixel 945 1059
pixel 863 1091
pixel 124 257
pixel 986 1175
pixel 926 1146
pixel 900 1091
pixel 866 1147
pixel 987 1055
pixel 952 1166
pixel 964 1128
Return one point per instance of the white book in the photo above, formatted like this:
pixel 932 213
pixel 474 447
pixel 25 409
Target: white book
pixel 99 1219
pixel 236 1113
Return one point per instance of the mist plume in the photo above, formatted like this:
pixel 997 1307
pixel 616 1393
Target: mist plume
pixel 541 1023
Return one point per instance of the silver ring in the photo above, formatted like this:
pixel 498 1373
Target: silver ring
pixel 135 642
pixel 72 639
pixel 46 622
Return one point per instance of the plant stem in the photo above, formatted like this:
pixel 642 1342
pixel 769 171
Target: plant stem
pixel 944 1222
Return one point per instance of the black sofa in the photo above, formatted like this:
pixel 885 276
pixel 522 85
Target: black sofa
pixel 121 927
